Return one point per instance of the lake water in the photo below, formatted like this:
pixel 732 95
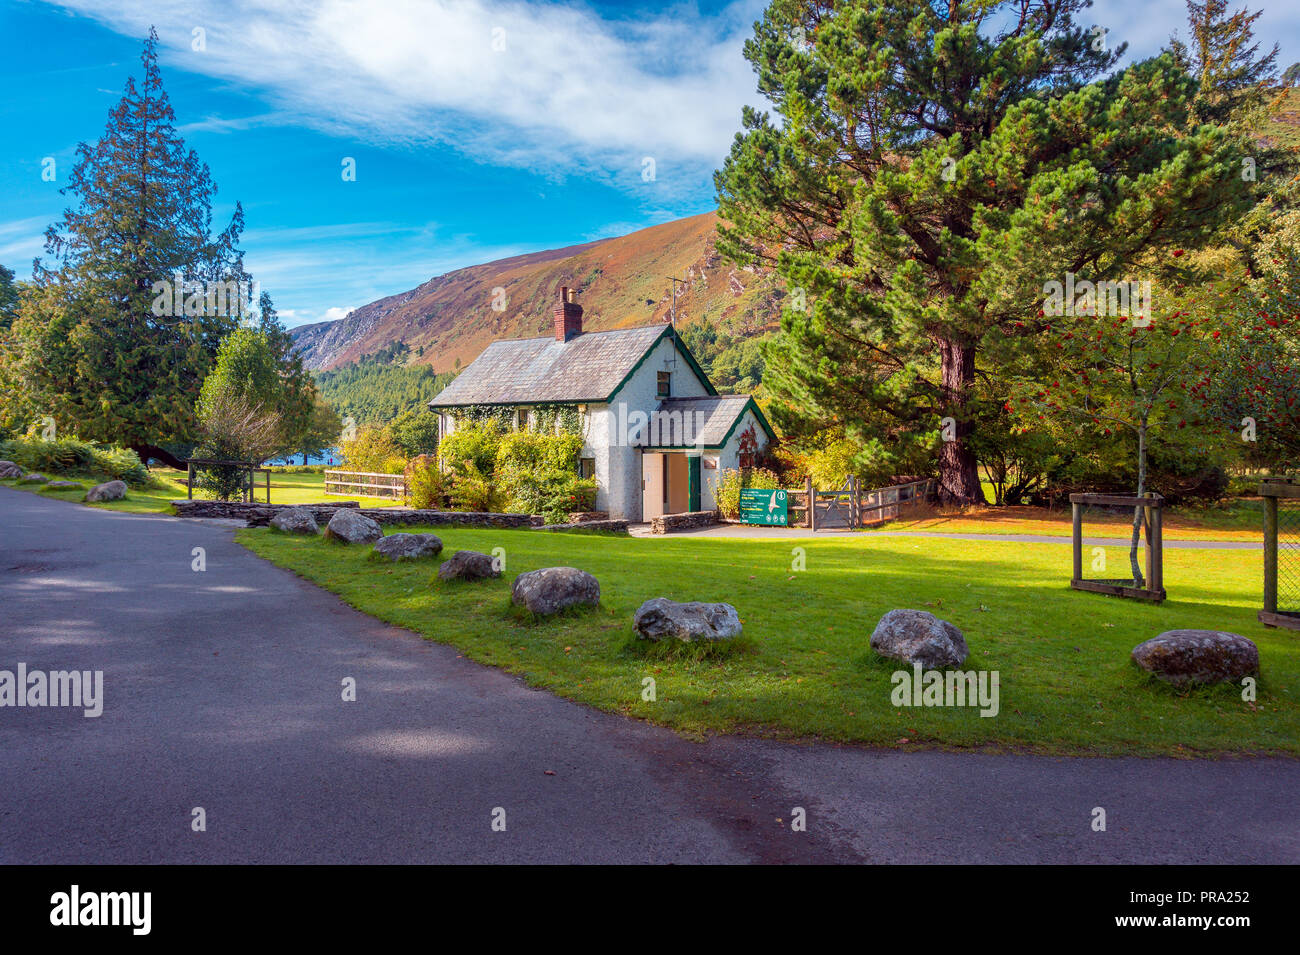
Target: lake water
pixel 330 458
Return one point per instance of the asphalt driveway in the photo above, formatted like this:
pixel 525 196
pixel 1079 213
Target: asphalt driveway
pixel 223 691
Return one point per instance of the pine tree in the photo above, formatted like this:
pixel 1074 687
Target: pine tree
pixel 1233 78
pixel 101 346
pixel 933 168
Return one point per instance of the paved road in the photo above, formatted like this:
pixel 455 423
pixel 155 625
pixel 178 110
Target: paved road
pixel 222 691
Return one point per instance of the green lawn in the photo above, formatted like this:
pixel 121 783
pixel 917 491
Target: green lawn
pixel 165 487
pixel 806 669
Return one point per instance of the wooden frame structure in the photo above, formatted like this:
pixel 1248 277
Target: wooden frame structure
pixel 249 467
pixel 1153 524
pixel 1272 490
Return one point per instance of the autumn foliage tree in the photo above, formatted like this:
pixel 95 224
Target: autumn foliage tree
pixel 931 166
pixel 1129 376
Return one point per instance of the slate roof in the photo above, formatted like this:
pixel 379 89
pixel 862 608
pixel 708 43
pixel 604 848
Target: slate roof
pixel 587 368
pixel 719 414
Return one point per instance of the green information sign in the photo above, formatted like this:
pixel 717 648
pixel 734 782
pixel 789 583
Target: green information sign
pixel 761 506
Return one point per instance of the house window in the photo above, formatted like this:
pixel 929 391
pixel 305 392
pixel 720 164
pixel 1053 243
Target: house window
pixel 665 384
pixel 521 419
pixel 586 467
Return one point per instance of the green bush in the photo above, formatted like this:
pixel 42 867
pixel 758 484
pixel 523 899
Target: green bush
pixel 554 495
pixel 373 449
pixel 302 468
pixel 730 483
pixel 472 491
pixel 472 448
pixel 426 486
pixel 74 456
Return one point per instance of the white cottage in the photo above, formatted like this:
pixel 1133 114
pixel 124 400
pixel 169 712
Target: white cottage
pixel 656 432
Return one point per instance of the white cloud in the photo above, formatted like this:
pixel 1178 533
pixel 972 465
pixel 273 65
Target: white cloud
pixel 22 240
pixel 567 89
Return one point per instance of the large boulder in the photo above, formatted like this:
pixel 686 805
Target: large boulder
pixel 408 546
pixel 34 478
pixel 660 617
pixel 295 520
pixel 1198 656
pixel 10 470
pixel 108 491
pixel 468 565
pixel 915 636
pixel 349 527
pixel 553 589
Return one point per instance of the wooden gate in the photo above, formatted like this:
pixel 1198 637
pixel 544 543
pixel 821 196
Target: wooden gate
pixel 848 506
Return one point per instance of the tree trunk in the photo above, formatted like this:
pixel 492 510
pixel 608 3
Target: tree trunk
pixel 959 480
pixel 1133 563
pixel 147 451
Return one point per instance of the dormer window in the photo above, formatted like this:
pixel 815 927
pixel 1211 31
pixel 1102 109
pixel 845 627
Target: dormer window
pixel 665 384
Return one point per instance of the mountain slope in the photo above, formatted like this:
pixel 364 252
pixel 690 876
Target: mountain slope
pixel 621 282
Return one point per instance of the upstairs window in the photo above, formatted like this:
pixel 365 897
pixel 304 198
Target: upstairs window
pixel 665 384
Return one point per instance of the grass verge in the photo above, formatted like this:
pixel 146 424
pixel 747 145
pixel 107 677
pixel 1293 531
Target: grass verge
pixel 805 668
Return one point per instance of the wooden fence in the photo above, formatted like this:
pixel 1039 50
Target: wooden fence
pixel 365 484
pixel 850 506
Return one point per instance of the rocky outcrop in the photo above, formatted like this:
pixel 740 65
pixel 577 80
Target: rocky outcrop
pixel 553 589
pixel 661 618
pixel 408 546
pixel 109 491
pixel 34 477
pixel 352 527
pixel 915 636
pixel 9 470
pixel 1198 656
pixel 468 565
pixel 65 486
pixel 296 520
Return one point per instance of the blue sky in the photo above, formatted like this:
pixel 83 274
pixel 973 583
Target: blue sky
pixel 479 128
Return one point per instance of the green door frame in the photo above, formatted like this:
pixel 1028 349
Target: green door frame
pixel 693 482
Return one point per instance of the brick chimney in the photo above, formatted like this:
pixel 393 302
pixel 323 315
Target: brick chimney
pixel 568 315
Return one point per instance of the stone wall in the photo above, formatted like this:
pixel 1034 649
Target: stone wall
pixel 256 514
pixel 668 523
pixel 259 515
pixel 616 526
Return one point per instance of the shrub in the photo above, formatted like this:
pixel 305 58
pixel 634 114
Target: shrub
pixel 472 491
pixel 233 429
pixel 74 456
pixel 426 486
pixel 552 495
pixel 373 449
pixel 730 483
pixel 472 448
pixel 533 451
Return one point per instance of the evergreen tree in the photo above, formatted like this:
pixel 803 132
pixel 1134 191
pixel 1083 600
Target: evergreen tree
pixel 933 168
pixel 1233 78
pixel 101 344
pixel 8 299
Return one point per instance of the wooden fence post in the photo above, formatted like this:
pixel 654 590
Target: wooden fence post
pixel 1270 555
pixel 1078 539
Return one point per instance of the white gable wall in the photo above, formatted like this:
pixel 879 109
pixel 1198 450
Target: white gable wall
pixel 618 463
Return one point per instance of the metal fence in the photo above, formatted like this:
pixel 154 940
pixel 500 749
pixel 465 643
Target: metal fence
pixel 1281 553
